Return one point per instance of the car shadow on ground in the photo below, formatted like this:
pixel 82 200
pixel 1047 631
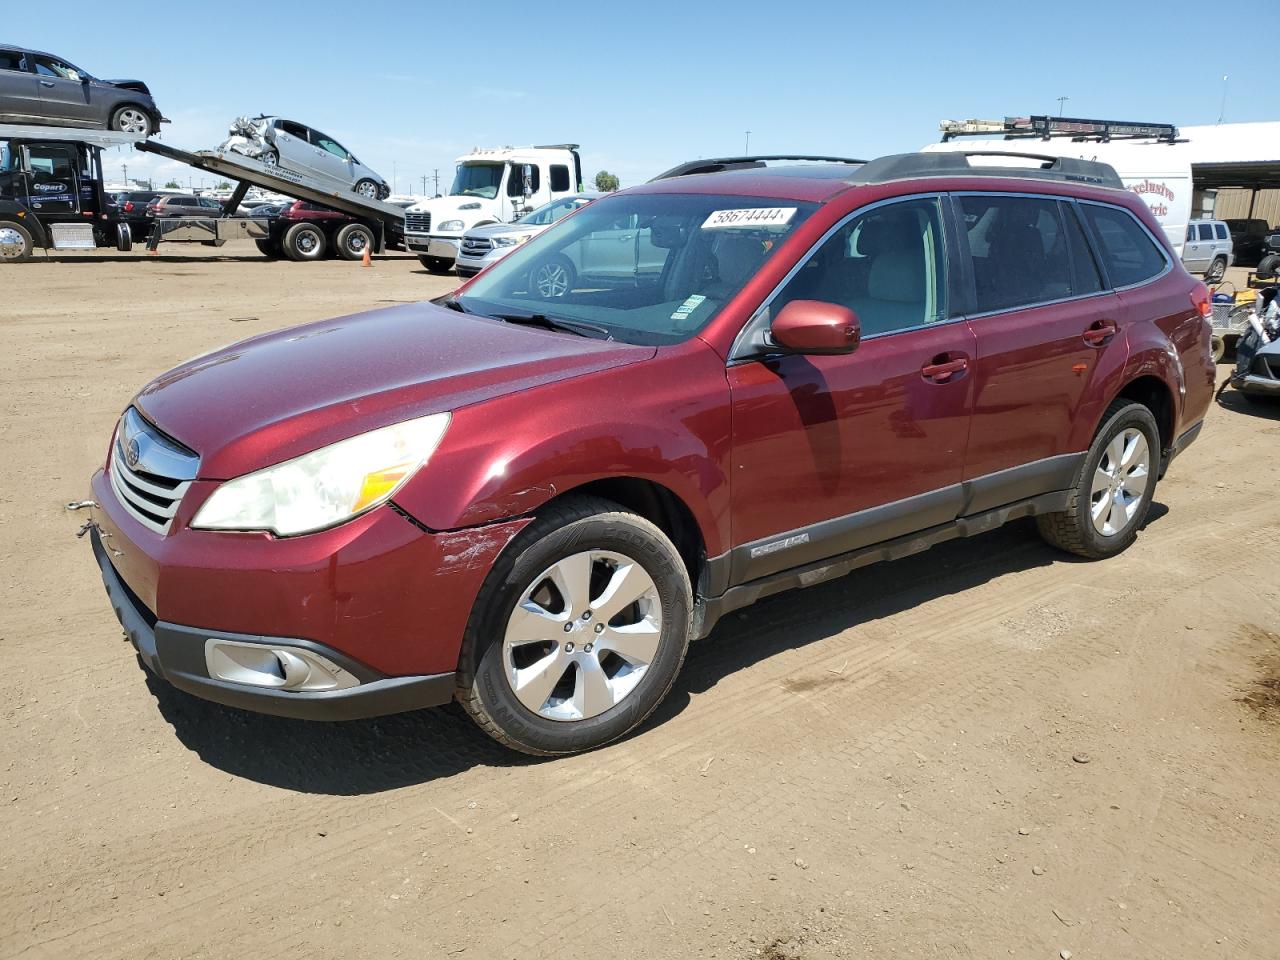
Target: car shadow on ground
pixel 1262 408
pixel 153 258
pixel 370 756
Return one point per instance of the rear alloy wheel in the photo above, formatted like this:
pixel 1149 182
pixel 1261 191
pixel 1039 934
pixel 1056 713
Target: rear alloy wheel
pixel 553 278
pixel 303 242
pixel 15 242
pixel 353 240
pixel 1217 270
pixel 368 189
pixel 131 119
pixel 1113 490
pixel 578 632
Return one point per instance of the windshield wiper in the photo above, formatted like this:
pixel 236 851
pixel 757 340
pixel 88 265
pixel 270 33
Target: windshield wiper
pixel 580 327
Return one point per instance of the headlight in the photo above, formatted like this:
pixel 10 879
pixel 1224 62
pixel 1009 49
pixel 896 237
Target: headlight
pixel 511 241
pixel 449 226
pixel 327 486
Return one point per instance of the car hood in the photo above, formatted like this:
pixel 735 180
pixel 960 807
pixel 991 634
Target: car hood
pixel 491 230
pixel 277 396
pixel 130 85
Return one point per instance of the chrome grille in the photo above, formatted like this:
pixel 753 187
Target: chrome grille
pixel 149 472
pixel 417 222
pixel 476 246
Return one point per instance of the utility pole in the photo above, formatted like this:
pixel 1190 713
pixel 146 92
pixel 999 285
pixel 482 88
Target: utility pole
pixel 437 179
pixel 1061 102
pixel 125 168
pixel 746 149
pixel 424 184
pixel 1222 113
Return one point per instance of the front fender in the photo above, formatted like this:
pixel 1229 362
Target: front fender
pixel 665 421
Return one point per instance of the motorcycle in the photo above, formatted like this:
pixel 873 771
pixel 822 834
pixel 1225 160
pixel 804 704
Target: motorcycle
pixel 1257 372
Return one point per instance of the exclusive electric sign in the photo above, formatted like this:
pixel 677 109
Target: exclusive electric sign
pixel 1155 193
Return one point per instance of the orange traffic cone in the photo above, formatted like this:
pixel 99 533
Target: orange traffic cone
pixel 366 260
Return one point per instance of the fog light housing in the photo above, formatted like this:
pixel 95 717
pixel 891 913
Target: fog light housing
pixel 277 666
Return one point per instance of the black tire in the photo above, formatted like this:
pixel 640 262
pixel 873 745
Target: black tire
pixel 131 118
pixel 1073 529
pixel 1269 267
pixel 20 252
pixel 269 249
pixel 304 242
pixel 1218 347
pixel 436 265
pixel 353 240
pixel 1217 270
pixel 562 530
pixel 124 237
pixel 369 189
pixel 553 278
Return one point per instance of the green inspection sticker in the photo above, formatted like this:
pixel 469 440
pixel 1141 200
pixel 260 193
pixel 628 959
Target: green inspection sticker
pixel 690 304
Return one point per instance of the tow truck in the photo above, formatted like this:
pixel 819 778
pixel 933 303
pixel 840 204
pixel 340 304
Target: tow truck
pixel 52 195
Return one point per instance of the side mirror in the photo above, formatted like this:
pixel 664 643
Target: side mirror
pixel 526 174
pixel 817 327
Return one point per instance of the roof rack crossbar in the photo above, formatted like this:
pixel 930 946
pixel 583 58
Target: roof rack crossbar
pixel 718 164
pixel 956 164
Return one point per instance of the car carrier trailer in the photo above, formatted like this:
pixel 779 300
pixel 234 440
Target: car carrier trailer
pixel 52 195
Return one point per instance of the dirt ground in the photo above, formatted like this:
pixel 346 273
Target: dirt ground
pixel 891 765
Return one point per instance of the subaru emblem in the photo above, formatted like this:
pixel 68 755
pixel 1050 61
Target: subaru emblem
pixel 132 453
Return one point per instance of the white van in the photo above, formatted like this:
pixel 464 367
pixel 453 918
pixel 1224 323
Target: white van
pixel 1154 171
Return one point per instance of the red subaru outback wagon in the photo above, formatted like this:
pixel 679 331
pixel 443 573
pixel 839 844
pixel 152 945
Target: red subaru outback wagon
pixel 530 496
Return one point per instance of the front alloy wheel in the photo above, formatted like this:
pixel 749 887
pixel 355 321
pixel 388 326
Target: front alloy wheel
pixel 132 120
pixel 583 635
pixel 579 630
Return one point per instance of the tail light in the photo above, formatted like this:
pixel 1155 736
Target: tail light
pixel 1200 300
pixel 128 206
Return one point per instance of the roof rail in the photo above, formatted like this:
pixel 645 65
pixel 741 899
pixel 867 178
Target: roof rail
pixel 718 164
pixel 956 164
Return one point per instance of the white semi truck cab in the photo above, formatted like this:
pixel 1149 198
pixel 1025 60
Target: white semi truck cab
pixel 491 186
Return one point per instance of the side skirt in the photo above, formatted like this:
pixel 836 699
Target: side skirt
pixel 711 609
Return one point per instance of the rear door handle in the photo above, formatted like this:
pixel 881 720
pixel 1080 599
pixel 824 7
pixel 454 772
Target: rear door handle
pixel 941 370
pixel 1101 332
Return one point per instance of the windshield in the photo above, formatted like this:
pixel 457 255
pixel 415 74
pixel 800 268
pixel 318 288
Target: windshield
pixel 554 211
pixel 477 180
pixel 648 268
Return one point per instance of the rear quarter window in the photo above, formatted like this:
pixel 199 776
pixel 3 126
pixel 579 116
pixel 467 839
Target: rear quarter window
pixel 1220 231
pixel 1128 252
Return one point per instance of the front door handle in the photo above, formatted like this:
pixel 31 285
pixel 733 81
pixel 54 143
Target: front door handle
pixel 46 83
pixel 942 368
pixel 1100 333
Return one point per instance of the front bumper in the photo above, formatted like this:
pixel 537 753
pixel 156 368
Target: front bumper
pixel 176 653
pixel 470 266
pixel 380 596
pixel 446 248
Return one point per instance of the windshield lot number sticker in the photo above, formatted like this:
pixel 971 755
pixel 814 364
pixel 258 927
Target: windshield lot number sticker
pixel 752 217
pixel 691 304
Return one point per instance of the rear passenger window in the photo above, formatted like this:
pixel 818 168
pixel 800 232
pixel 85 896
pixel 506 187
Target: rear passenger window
pixel 559 178
pixel 1129 253
pixel 886 265
pixel 1220 231
pixel 10 60
pixel 1021 252
pixel 1206 230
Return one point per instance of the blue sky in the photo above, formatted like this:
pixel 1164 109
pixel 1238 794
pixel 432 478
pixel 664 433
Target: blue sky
pixel 410 86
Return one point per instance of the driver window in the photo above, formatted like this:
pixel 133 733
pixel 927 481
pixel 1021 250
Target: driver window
pixel 48 67
pixel 515 182
pixel 886 265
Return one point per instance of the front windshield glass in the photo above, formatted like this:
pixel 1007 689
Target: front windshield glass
pixel 647 268
pixel 554 211
pixel 477 180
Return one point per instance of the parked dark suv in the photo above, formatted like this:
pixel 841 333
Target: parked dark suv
pixel 532 499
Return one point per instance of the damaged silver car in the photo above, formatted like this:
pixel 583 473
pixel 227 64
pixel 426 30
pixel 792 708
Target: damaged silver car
pixel 291 146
